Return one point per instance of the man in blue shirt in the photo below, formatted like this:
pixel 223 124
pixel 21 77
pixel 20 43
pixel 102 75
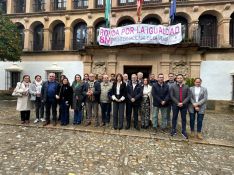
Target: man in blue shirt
pixel 49 91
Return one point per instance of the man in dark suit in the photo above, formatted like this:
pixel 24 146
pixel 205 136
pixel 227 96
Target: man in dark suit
pixel 134 95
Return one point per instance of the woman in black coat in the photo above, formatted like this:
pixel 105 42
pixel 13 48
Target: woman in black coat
pixel 65 94
pixel 118 96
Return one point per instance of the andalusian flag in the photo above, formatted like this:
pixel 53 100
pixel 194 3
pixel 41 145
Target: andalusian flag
pixel 108 12
pixel 139 7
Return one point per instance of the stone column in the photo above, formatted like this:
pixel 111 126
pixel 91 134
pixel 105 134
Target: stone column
pixel 91 4
pixel 223 34
pixel 67 38
pixel 46 44
pixel 90 35
pixel 87 61
pixel 195 63
pixel 29 4
pixel 114 3
pixel 10 6
pixel 164 65
pixel 48 5
pixel 69 4
pixel 111 63
pixel 27 40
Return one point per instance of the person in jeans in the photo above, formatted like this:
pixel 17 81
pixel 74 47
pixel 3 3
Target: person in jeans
pixel 92 92
pixel 118 97
pixel 65 95
pixel 134 96
pixel 197 106
pixel 48 96
pixel 161 97
pixel 78 98
pixel 146 104
pixel 180 96
pixel 105 99
pixel 24 104
pixel 35 92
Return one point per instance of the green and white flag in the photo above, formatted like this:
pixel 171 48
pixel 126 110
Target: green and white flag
pixel 107 12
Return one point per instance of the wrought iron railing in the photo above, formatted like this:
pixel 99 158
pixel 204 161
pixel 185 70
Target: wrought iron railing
pixel 100 3
pixel 126 2
pixel 80 4
pixel 79 44
pixel 19 9
pixel 57 44
pixel 58 5
pixel 39 7
pixel 152 1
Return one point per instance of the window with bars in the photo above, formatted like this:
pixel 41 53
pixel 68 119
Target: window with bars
pixel 208 31
pixel 58 37
pixel 38 38
pixel 79 4
pixel 79 36
pixel 20 6
pixel 39 6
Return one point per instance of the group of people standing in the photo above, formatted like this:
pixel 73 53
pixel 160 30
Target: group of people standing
pixel 117 94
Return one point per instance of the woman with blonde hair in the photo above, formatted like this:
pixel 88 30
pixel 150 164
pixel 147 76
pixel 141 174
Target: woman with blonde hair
pixel 24 104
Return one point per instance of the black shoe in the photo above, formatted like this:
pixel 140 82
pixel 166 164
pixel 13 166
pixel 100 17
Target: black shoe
pixel 120 128
pixel 137 128
pixel 115 128
pixel 173 133
pixel 127 127
pixel 142 126
pixel 46 123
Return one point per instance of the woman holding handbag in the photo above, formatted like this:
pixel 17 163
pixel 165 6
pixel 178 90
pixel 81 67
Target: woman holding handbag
pixel 24 104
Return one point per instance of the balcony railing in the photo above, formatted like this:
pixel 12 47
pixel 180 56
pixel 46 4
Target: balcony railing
pixel 80 4
pixel 79 44
pixel 209 41
pixel 3 7
pixel 126 2
pixel 40 7
pixel 100 3
pixel 152 1
pixel 37 46
pixel 19 9
pixel 58 6
pixel 57 44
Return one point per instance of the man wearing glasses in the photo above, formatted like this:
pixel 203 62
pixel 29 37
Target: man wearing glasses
pixel 48 92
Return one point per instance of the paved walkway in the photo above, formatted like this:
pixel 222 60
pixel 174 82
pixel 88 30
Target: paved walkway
pixel 35 149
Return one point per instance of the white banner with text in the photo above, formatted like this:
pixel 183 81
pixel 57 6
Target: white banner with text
pixel 140 34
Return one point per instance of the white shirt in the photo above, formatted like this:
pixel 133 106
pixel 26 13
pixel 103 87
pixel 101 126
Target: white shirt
pixel 118 88
pixel 134 85
pixel 147 90
pixel 197 92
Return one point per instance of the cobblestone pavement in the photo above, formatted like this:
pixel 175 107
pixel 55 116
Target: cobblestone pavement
pixel 35 149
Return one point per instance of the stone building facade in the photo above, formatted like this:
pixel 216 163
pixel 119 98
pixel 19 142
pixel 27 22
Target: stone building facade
pixel 66 30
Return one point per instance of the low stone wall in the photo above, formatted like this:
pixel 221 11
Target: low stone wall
pixel 220 105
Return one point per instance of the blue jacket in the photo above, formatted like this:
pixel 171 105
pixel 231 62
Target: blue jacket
pixel 44 89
